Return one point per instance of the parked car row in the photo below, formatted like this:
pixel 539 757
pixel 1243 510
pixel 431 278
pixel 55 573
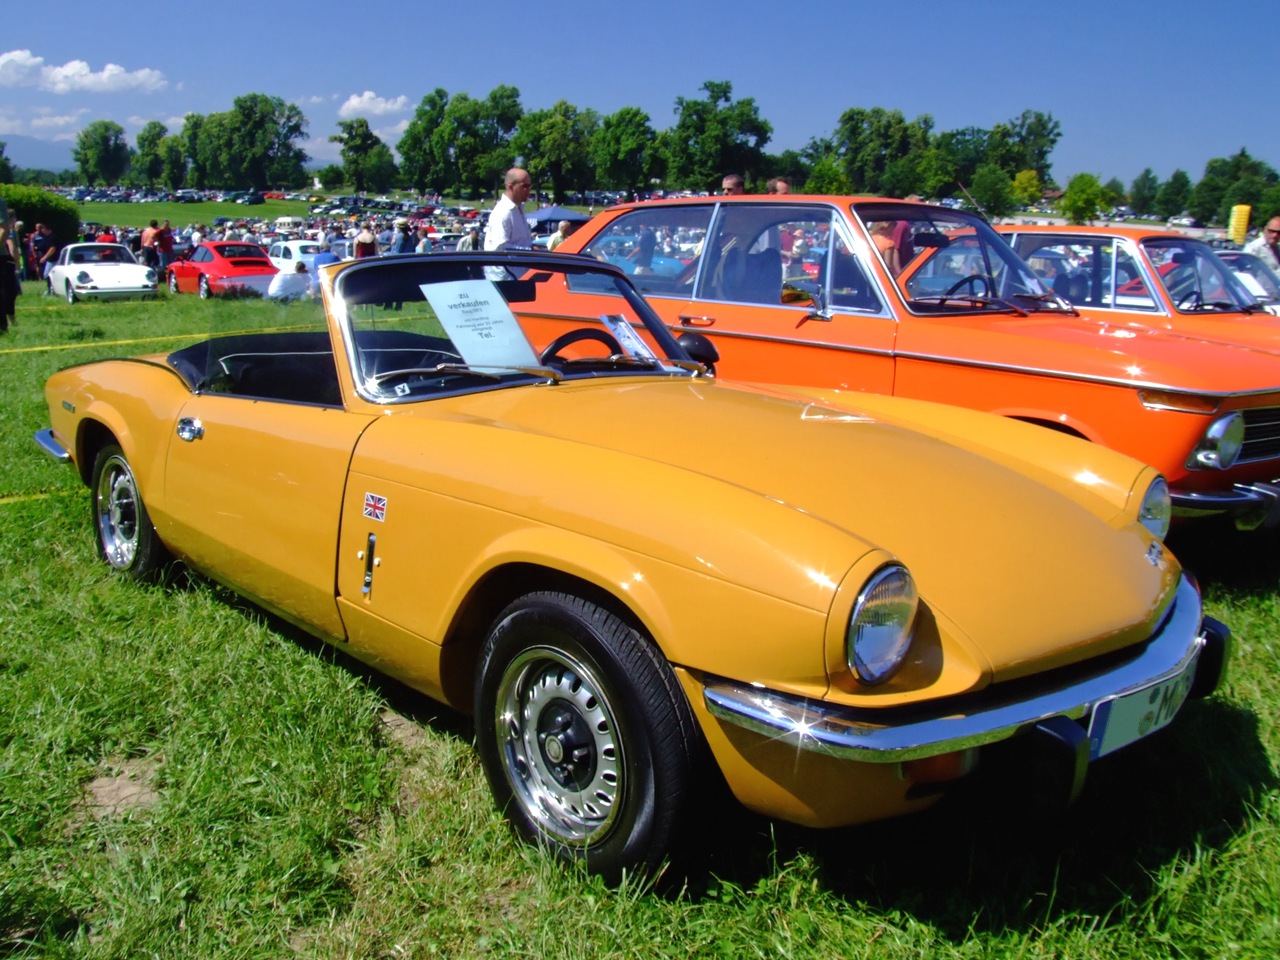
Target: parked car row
pixel 706 491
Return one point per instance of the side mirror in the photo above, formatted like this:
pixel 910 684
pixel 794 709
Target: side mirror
pixel 699 348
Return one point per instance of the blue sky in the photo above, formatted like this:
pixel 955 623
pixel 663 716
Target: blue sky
pixel 1166 85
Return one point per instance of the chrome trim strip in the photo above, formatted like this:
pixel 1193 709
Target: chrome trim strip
pixel 50 445
pixel 1110 381
pixel 712 330
pixel 849 733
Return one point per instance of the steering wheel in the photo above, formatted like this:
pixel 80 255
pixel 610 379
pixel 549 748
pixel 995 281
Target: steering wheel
pixel 972 281
pixel 574 336
pixel 1191 300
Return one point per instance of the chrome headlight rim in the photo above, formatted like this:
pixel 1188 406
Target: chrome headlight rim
pixel 1220 444
pixel 881 624
pixel 1155 512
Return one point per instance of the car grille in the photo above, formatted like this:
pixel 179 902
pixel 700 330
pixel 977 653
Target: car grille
pixel 1261 434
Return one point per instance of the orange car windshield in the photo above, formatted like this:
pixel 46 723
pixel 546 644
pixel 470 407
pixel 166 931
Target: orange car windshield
pixel 950 261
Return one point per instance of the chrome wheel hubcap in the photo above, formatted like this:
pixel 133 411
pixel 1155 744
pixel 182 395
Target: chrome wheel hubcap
pixel 558 742
pixel 117 511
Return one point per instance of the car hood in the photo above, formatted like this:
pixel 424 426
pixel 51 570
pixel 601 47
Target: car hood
pixel 783 496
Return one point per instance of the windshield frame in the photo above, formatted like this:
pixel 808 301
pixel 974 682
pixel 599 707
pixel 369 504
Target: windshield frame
pixel 402 275
pixel 1007 285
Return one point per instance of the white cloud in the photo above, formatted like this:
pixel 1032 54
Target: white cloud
pixel 369 104
pixel 18 68
pixel 52 122
pixel 21 68
pixel 389 135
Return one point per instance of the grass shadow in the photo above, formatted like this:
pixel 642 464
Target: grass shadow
pixel 979 862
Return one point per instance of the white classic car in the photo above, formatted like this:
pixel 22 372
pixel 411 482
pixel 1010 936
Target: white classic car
pixel 103 271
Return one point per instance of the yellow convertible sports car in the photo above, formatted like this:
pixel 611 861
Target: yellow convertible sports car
pixel 628 571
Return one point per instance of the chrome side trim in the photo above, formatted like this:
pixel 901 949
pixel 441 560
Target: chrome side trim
pixel 50 445
pixel 1087 378
pixel 849 733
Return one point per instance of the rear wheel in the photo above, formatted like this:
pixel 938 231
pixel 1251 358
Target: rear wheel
pixel 126 538
pixel 205 291
pixel 585 735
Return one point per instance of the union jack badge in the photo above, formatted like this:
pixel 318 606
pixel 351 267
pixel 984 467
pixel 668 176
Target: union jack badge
pixel 375 507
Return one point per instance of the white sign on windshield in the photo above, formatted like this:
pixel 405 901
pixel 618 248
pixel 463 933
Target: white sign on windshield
pixel 480 324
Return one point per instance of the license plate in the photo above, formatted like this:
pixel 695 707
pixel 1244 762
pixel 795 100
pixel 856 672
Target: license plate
pixel 1122 720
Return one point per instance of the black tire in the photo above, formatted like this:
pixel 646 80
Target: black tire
pixel 71 293
pixel 603 768
pixel 205 291
pixel 173 283
pixel 126 538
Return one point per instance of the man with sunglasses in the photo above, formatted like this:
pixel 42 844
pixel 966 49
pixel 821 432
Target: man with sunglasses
pixel 1266 246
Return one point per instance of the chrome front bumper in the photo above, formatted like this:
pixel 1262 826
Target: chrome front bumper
pixel 1251 504
pixel 880 736
pixel 47 442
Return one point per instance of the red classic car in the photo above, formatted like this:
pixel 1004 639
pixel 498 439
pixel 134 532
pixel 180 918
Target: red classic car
pixel 219 268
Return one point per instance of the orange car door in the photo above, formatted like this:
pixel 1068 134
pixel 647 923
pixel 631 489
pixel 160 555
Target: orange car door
pixel 785 296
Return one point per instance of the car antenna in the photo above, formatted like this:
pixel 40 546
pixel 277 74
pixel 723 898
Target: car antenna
pixel 976 205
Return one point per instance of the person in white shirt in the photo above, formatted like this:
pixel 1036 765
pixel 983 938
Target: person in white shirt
pixel 291 285
pixel 507 228
pixel 1266 245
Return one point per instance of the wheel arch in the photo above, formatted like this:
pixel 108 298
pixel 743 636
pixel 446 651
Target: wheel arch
pixel 92 436
pixel 487 598
pixel 1067 425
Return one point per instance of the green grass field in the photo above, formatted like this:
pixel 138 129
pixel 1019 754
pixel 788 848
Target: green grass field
pixel 182 776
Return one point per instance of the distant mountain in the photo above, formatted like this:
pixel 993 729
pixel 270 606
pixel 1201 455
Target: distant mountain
pixel 37 154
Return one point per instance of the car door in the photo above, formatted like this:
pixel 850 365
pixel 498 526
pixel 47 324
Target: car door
pixel 786 294
pixel 255 488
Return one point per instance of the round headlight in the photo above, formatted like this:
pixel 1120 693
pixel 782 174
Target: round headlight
pixel 879 632
pixel 1220 445
pixel 150 276
pixel 1156 509
pixel 83 277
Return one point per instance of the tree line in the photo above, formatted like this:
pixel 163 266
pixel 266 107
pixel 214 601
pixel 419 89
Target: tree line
pixel 457 144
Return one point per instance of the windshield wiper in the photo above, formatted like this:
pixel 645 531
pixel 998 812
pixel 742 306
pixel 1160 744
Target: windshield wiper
pixel 491 370
pixel 974 302
pixel 1048 300
pixel 617 360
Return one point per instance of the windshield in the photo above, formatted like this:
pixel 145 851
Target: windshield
pixel 1193 276
pixel 1259 279
pixel 948 261
pixel 427 326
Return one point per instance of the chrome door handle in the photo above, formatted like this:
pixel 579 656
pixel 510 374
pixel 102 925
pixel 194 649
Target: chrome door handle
pixel 189 428
pixel 687 320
